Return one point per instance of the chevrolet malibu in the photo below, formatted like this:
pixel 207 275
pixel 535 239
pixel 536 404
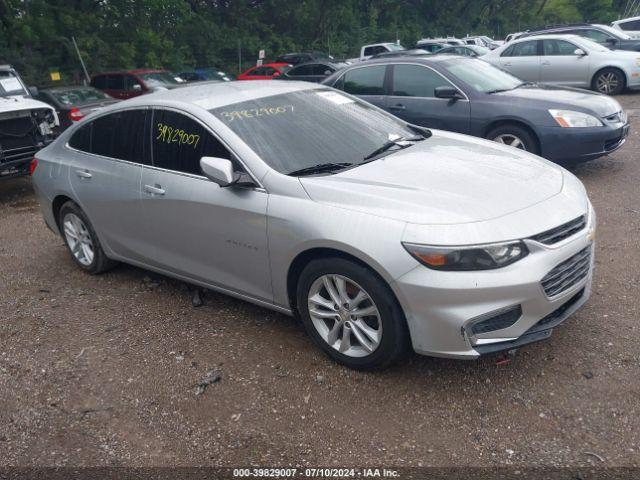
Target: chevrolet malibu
pixel 380 235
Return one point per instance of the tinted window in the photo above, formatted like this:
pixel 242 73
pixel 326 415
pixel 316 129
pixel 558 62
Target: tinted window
pixel 302 70
pixel 416 81
pixel 632 25
pixel 120 135
pixel 257 71
pixel 558 47
pixel 81 139
pixel 99 82
pixel 115 82
pixel 322 70
pixel 524 49
pixel 179 143
pixel 365 81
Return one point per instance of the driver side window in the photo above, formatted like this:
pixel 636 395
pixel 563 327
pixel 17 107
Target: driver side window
pixel 179 142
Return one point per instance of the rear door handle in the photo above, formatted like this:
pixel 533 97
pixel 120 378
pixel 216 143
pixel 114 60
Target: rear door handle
pixel 398 107
pixel 83 173
pixel 546 63
pixel 507 64
pixel 154 189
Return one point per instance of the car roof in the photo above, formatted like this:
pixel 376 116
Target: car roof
pixel 423 59
pixel 219 94
pixel 548 36
pixel 630 19
pixel 320 61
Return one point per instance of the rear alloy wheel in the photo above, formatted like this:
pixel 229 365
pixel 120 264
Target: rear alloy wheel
pixel 82 241
pixel 609 81
pixel 351 314
pixel 514 136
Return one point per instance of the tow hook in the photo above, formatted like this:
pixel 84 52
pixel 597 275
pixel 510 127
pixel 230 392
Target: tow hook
pixel 506 358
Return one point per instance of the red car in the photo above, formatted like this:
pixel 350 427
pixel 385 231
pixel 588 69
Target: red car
pixel 268 71
pixel 132 83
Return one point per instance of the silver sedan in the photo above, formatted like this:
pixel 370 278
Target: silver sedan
pixel 378 234
pixel 569 60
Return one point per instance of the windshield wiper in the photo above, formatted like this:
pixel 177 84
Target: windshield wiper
pixel 320 168
pixel 398 142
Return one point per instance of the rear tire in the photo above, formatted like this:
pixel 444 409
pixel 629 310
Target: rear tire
pixel 82 241
pixel 366 330
pixel 515 136
pixel 609 81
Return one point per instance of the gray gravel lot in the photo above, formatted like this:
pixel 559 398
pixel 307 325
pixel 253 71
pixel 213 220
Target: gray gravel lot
pixel 104 370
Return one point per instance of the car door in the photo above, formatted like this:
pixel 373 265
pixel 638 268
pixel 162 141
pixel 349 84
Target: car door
pixel 368 83
pixel 412 98
pixel 560 64
pixel 105 177
pixel 115 86
pixel 195 228
pixel 301 72
pixel 522 60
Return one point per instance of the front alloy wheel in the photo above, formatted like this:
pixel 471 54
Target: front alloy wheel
pixel 511 140
pixel 351 313
pixel 609 81
pixel 344 315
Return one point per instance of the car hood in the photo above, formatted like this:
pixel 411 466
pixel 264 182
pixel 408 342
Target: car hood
pixel 17 104
pixel 565 97
pixel 446 179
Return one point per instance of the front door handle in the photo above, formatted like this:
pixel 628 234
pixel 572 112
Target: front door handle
pixel 546 63
pixel 83 173
pixel 398 107
pixel 506 64
pixel 154 189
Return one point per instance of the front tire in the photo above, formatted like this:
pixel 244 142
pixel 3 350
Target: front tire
pixel 351 314
pixel 609 81
pixel 82 241
pixel 514 136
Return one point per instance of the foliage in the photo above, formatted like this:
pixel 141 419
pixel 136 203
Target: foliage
pixel 35 35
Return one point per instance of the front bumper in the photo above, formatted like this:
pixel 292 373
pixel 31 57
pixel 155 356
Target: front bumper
pixel 581 144
pixel 441 307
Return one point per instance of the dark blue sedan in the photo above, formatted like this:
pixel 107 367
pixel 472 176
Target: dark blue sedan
pixel 470 96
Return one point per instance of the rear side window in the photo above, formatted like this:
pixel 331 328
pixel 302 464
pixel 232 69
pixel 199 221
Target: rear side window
pixel 115 82
pixel 632 25
pixel 595 35
pixel 120 135
pixel 416 81
pixel 179 142
pixel 364 81
pixel 320 69
pixel 81 139
pixel 302 70
pixel 524 49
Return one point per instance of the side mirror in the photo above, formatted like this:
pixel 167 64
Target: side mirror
pixel 448 92
pixel 276 74
pixel 136 87
pixel 611 40
pixel 218 170
pixel 327 72
pixel 33 91
pixel 579 52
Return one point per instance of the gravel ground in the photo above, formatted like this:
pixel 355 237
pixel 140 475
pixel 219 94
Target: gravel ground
pixel 104 371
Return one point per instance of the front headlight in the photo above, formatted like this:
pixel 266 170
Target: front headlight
pixel 570 119
pixel 480 257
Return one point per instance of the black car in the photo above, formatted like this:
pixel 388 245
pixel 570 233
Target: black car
pixel 464 50
pixel 470 96
pixel 303 57
pixel 602 34
pixel 312 71
pixel 74 102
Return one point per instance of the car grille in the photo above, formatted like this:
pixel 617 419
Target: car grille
pixel 558 234
pixel 568 273
pixel 18 140
pixel 17 154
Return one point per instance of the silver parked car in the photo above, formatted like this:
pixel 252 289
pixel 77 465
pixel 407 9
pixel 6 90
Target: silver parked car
pixel 569 60
pixel 377 233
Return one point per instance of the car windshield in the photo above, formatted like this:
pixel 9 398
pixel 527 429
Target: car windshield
pixel 79 96
pixel 298 130
pixel 615 32
pixel 479 50
pixel 158 79
pixel 395 47
pixel 481 76
pixel 591 45
pixel 10 84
